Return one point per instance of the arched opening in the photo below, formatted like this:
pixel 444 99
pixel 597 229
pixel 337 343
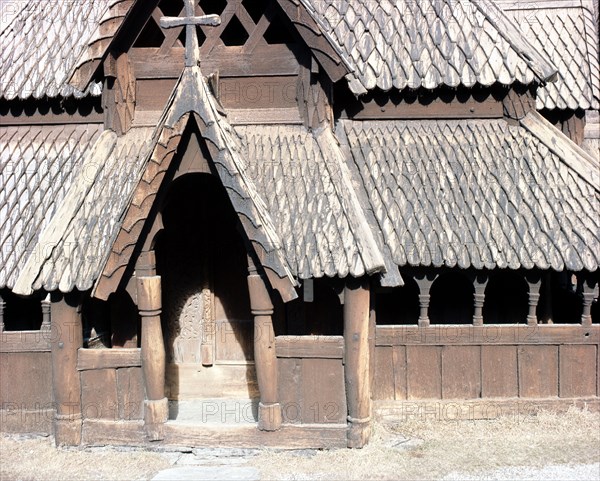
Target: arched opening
pixel 398 306
pixel 506 298
pixel 22 313
pixel 451 299
pixel 207 323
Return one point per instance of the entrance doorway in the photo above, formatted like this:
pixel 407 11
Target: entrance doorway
pixel 207 323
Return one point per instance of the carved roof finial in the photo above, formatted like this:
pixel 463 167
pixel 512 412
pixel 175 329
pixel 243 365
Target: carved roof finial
pixel 192 53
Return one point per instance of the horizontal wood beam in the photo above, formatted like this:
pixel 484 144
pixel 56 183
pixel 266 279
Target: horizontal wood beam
pixel 316 347
pixel 25 341
pixel 89 359
pixel 468 335
pixel 434 109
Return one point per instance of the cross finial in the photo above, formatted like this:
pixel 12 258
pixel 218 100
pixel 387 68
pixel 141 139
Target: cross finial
pixel 192 55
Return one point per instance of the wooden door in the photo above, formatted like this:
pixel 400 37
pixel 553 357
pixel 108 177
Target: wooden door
pixel 206 314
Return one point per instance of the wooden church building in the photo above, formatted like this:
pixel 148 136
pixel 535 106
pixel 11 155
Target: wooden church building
pixel 269 222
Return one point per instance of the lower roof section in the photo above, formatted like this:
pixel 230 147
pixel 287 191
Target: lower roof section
pixel 476 193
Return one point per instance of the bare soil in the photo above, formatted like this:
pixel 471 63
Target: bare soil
pixel 415 449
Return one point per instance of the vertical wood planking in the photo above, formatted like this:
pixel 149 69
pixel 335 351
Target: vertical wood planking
pixel 577 371
pixel 499 372
pixel 130 392
pixel 399 357
pixel 538 371
pixel 424 372
pixel 99 394
pixel 290 389
pixel 383 388
pixel 323 391
pixel 461 372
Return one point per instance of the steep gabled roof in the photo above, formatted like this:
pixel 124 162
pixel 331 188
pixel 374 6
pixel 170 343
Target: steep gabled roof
pixel 429 43
pixel 192 97
pixel 568 33
pixel 41 45
pixel 479 193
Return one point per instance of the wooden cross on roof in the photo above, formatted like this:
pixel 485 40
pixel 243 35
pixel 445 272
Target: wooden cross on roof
pixel 192 54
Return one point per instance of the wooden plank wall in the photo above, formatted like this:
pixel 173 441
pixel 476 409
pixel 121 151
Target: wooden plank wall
pixel 26 402
pixel 548 362
pixel 111 384
pixel 311 379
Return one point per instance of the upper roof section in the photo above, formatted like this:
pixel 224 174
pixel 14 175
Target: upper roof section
pixel 430 43
pixel 41 45
pixel 566 31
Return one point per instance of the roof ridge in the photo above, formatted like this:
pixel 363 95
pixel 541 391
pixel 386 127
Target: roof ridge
pixel 579 161
pixel 536 60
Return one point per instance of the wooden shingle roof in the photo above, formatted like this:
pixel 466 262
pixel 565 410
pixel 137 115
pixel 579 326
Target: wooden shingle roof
pixel 73 244
pixel 568 33
pixel 430 43
pixel 38 165
pixel 478 193
pixel 41 45
pixel 304 181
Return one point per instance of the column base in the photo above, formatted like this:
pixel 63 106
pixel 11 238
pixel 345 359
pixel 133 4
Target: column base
pixel 269 416
pixel 156 414
pixel 359 432
pixel 67 429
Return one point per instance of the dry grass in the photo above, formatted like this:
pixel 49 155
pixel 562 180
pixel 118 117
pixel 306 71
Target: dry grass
pixel 37 459
pixel 438 448
pixel 412 450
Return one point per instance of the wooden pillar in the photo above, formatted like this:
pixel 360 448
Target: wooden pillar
pixel 479 282
pixel 65 340
pixel 424 281
pixel 589 291
pixel 357 362
pixel 156 406
pixel 372 343
pixel 2 306
pixel 46 308
pixel 265 357
pixel 534 280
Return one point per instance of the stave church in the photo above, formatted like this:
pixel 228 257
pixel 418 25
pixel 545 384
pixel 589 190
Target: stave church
pixel 274 222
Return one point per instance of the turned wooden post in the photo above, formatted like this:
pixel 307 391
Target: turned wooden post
pixel 480 282
pixel 588 294
pixel 46 308
pixel 156 407
pixel 265 358
pixel 534 282
pixel 357 360
pixel 65 340
pixel 2 306
pixel 424 281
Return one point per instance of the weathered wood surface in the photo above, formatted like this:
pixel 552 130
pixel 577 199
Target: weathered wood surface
pixel 89 359
pixel 66 385
pixel 499 372
pixel 26 380
pixel 439 410
pixel 288 437
pixel 434 108
pixel 485 371
pixel 323 347
pixel 99 394
pixel 577 371
pixel 18 420
pixel 357 364
pixel 100 432
pixel 25 341
pixel 488 335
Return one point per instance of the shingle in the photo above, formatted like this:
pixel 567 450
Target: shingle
pixel 481 193
pixel 37 168
pixel 42 44
pixel 428 43
pixel 569 36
